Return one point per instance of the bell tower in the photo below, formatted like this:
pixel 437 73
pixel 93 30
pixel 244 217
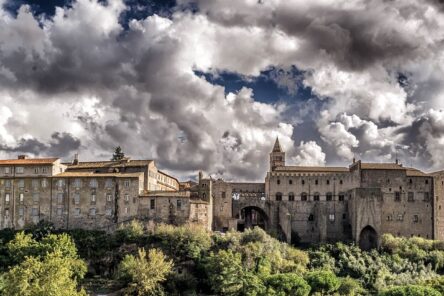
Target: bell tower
pixel 277 156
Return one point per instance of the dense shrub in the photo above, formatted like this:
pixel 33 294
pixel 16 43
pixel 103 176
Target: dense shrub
pixel 411 290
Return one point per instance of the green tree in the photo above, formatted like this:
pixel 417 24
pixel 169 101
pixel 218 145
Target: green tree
pixel 324 282
pixel 410 290
pixel 350 287
pixel 286 284
pixel 55 275
pixel 144 274
pixel 118 154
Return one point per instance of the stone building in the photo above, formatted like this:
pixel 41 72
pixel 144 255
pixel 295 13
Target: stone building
pixel 324 204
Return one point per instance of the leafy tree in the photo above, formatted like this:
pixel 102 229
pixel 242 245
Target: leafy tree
pixel 118 154
pixel 324 282
pixel 287 284
pixel 350 287
pixel 144 274
pixel 411 290
pixel 54 275
pixel 131 232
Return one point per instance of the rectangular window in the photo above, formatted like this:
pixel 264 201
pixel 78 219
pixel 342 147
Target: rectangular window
pixel 415 218
pixel 92 211
pixel 410 197
pixel 341 197
pixel 108 197
pixel 7 213
pixel 44 183
pixel 35 183
pixel 21 197
pixel 329 197
pixel 60 198
pixel 397 196
pixel 21 212
pixel 152 204
pixel 331 217
pixel 7 170
pixel 389 218
pixel 77 183
pixel 36 170
pixel 93 183
pixel 126 196
pixel 19 170
pixel 34 212
pixel 179 204
pixel 109 183
pixel 400 217
pixel 76 198
pixel 316 197
pixel 7 198
pixel 223 194
pixel 93 198
pixel 44 170
pixel 126 210
pixel 59 211
pixel 108 212
pixel 77 212
pixel 21 184
pixel 126 183
pixel 8 183
pixel 60 183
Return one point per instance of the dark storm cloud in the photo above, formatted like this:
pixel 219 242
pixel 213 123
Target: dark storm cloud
pixel 61 145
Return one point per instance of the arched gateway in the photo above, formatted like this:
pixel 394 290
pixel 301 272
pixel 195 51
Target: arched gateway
pixel 368 238
pixel 252 216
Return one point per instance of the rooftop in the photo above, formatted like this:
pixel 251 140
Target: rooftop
pixel 312 169
pixel 92 174
pixel 108 164
pixel 28 161
pixel 381 166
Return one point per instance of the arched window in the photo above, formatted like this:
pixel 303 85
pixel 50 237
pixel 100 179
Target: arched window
pixel 291 196
pixel 329 196
pixel 316 196
pixel 278 196
pixel 303 196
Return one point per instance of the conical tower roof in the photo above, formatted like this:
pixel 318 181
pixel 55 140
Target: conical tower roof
pixel 277 146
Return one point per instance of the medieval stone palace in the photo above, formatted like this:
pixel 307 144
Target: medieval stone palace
pixel 300 204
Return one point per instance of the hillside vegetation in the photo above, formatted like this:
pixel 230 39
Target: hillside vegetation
pixel 188 260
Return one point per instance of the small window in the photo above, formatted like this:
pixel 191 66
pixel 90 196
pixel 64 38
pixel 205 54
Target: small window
pixel 311 217
pixel 415 218
pixel 60 198
pixel 21 197
pixel 59 211
pixel 331 217
pixel 8 183
pixel 93 198
pixel 410 181
pixel 44 170
pixel 36 170
pixel 303 182
pixel 7 170
pixel 328 182
pixel 6 213
pixel 410 197
pixel 278 196
pixel 35 197
pixel 44 183
pixel 278 181
pixel 77 183
pixel 34 212
pixel 290 182
pixel 400 217
pixel 224 195
pixel 179 204
pixel 303 196
pixel 60 183
pixel 397 196
pixel 76 198
pixel 291 196
pixel 126 210
pixel 340 182
pixel 93 183
pixel 108 212
pixel 389 218
pixel 7 198
pixel 35 183
pixel 316 197
pixel 316 182
pixel 427 181
pixel 21 183
pixel 152 204
pixel 341 197
pixel 92 211
pixel 109 183
pixel 77 212
pixel 344 216
pixel 126 197
pixel 19 170
pixel 108 197
pixel 126 183
pixel 329 196
pixel 21 212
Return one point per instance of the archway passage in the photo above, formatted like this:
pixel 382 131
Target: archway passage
pixel 251 217
pixel 368 239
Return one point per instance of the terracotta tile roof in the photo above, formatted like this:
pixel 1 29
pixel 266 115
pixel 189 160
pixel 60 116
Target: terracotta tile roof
pixel 412 172
pixel 92 174
pixel 312 169
pixel 28 161
pixel 381 166
pixel 108 164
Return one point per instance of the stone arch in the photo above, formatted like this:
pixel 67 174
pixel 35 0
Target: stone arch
pixel 251 216
pixel 368 238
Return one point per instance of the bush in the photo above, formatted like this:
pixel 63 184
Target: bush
pixel 287 284
pixel 350 287
pixel 411 290
pixel 323 281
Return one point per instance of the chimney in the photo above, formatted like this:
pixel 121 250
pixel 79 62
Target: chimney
pixel 22 156
pixel 354 160
pixel 75 161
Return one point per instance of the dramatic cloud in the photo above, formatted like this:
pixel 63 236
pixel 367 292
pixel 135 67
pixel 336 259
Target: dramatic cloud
pixel 91 77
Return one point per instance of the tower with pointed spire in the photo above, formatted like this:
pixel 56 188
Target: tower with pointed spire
pixel 277 156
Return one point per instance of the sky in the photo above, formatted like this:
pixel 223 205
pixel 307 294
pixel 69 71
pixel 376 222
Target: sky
pixel 209 84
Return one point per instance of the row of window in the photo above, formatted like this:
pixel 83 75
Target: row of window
pixel 21 170
pixel 60 183
pixel 331 217
pixel 316 182
pixel 400 217
pixel 316 196
pixel 411 196
pixel 60 198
